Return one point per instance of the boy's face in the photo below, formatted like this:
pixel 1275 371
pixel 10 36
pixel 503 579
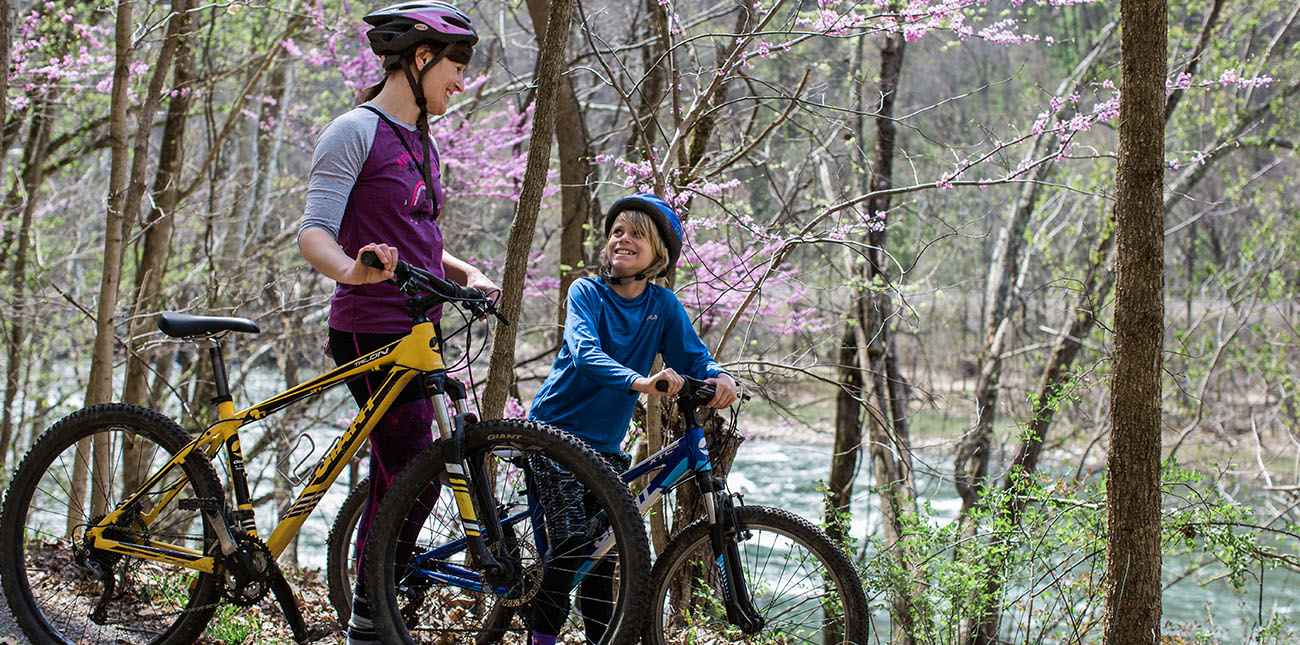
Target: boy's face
pixel 627 252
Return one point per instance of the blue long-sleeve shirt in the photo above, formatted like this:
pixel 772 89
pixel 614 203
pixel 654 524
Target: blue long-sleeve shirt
pixel 610 341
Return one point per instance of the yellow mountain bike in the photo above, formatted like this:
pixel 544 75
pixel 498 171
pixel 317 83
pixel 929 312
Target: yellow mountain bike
pixel 116 528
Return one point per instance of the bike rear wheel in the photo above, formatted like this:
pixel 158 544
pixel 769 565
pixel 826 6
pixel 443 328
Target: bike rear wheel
pixel 341 558
pixel 437 595
pixel 802 585
pixel 54 580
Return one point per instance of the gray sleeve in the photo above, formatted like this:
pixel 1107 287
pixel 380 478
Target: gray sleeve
pixel 340 153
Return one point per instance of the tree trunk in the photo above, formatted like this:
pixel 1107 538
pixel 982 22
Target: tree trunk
pixel 100 383
pixel 520 241
pixel 34 156
pixel 574 146
pixel 1133 556
pixel 847 447
pixel 6 46
pixel 160 221
pixel 155 254
pixel 1055 376
pixel 651 87
pixel 125 190
pixel 868 349
pixel 126 187
pixel 848 437
pixel 1052 385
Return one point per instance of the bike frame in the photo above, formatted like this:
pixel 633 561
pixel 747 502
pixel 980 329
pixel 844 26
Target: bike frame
pixel 685 457
pixel 413 355
pixel 688 455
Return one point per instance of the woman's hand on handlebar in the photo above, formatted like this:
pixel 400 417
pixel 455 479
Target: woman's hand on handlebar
pixel 481 282
pixel 484 286
pixel 724 391
pixel 359 273
pixel 672 380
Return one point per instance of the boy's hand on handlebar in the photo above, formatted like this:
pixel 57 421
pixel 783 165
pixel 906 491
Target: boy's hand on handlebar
pixel 725 391
pixel 361 273
pixel 667 382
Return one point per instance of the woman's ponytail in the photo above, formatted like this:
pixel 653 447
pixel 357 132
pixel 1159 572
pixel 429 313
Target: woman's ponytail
pixel 371 92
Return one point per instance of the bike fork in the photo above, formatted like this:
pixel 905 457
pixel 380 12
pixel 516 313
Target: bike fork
pixel 452 437
pixel 724 533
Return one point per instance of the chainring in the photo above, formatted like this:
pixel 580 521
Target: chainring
pixel 245 585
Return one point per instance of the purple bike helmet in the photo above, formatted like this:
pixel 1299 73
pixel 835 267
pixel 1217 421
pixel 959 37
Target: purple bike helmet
pixel 399 28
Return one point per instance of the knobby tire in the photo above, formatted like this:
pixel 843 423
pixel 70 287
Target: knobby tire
pixel 51 580
pixel 451 613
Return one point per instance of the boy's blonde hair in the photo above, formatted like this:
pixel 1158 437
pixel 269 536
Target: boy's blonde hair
pixel 645 227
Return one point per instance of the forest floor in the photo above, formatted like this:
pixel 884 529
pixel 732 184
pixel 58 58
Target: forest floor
pixel 257 625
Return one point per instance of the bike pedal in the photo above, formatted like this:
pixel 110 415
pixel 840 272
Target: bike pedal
pixel 199 504
pixel 318 632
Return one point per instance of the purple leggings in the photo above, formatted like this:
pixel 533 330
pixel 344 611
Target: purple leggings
pixel 399 436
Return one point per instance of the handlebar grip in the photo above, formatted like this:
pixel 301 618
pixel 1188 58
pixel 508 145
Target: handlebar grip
pixel 370 259
pixel 661 385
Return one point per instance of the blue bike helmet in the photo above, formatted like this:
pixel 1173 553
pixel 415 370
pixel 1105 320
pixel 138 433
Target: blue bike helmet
pixel 665 219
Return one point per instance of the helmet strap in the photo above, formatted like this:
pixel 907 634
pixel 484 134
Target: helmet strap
pixel 417 82
pixel 607 274
pixel 422 121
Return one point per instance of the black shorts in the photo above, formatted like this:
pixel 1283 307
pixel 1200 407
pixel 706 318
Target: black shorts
pixel 566 505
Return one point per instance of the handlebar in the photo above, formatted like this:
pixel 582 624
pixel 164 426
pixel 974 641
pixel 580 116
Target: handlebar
pixel 415 281
pixel 694 392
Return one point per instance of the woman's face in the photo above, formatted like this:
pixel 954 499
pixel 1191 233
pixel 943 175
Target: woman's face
pixel 445 79
pixel 627 252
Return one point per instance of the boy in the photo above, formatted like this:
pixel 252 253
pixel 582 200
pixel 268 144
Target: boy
pixel 615 327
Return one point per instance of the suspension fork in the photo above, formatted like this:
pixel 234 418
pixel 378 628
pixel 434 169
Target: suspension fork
pixel 468 488
pixel 724 537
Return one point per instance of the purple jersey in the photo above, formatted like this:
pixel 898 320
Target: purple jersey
pixel 365 187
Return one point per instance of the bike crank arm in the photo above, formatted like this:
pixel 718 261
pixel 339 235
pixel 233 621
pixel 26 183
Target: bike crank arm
pixel 289 605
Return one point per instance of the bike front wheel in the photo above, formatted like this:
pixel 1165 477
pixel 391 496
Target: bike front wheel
pixel 425 587
pixel 64 590
pixel 802 586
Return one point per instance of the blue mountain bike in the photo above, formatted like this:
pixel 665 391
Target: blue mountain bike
pixel 741 573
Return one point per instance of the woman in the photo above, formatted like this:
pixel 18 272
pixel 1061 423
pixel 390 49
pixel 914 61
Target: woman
pixel 615 327
pixel 375 187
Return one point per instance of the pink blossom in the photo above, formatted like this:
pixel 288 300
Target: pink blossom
pixel 1040 124
pixel 1107 111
